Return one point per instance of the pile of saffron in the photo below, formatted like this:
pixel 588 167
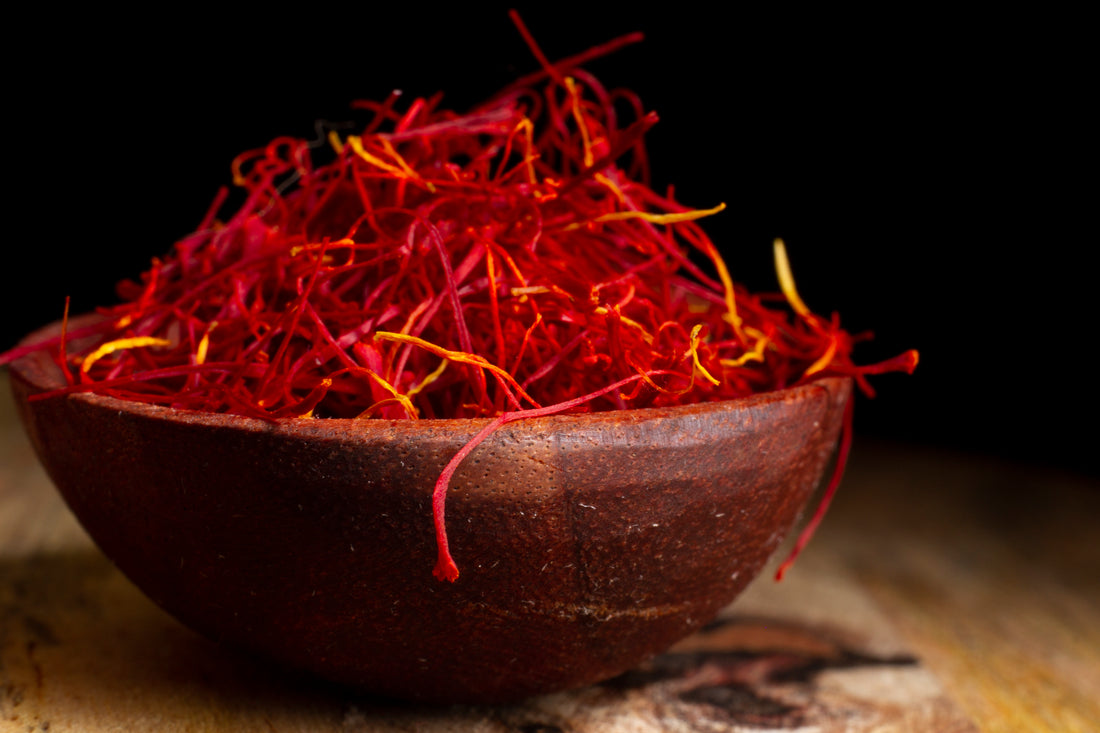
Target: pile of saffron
pixel 504 263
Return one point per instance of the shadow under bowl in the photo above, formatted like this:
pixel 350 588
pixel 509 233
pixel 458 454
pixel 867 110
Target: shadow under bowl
pixel 587 543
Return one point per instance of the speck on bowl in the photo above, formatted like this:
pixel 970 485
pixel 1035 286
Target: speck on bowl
pixel 586 543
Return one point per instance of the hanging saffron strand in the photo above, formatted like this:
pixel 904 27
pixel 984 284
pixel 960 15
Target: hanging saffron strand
pixel 807 532
pixel 445 568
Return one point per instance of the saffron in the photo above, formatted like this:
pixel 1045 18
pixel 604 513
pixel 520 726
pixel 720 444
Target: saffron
pixel 494 264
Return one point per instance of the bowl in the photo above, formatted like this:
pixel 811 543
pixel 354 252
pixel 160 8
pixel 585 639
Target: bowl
pixel 587 543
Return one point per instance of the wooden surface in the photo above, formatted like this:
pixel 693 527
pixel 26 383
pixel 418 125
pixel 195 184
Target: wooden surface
pixel 942 593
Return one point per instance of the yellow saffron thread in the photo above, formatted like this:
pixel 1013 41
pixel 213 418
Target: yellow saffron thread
pixel 430 378
pixel 335 142
pixel 626 321
pixel 459 356
pixel 727 287
pixel 675 217
pixel 401 170
pixel 786 279
pixel 119 344
pixel 671 218
pixel 823 361
pixel 403 400
pixel 694 348
pixel 578 117
pixel 204 344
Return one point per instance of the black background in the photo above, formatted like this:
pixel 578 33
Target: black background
pixel 929 173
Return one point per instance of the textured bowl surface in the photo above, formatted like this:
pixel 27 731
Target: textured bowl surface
pixel 586 543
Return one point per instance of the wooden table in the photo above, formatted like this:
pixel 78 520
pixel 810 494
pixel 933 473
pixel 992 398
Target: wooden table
pixel 943 593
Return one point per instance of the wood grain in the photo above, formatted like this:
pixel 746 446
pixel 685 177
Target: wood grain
pixel 992 571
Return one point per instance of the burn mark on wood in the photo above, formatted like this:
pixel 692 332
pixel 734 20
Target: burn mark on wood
pixel 540 728
pixel 741 704
pixel 772 685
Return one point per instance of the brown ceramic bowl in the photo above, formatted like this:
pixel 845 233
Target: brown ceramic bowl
pixel 586 543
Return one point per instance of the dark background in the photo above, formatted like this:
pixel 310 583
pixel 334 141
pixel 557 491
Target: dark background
pixel 927 172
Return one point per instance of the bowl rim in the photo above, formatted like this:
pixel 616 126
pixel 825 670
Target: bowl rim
pixel 41 374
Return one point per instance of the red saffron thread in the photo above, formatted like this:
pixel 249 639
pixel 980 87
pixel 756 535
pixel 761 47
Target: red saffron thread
pixel 498 264
pixel 445 568
pixel 827 496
